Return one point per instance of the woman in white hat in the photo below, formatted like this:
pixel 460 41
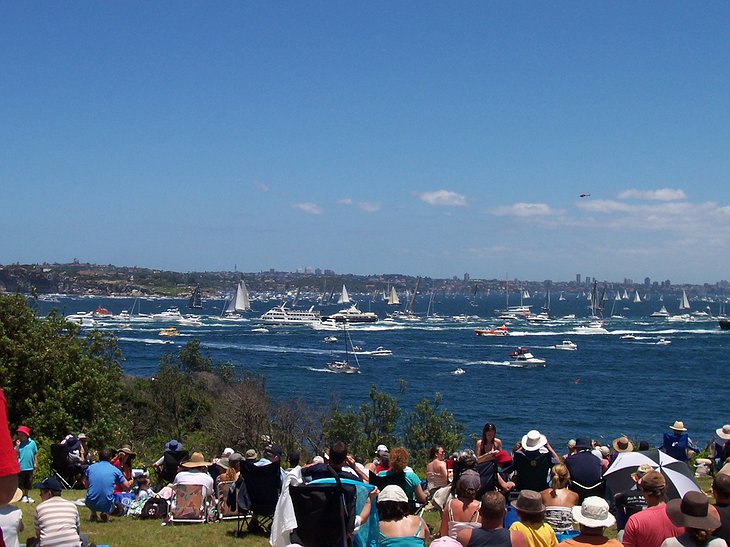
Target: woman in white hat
pixel 397 527
pixel 593 517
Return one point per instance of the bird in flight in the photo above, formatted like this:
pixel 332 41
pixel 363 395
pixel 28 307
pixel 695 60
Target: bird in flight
pixel 584 195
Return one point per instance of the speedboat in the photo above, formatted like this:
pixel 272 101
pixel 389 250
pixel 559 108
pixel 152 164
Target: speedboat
pixel 380 350
pixel 330 339
pixel 594 327
pixel 459 371
pixel 260 330
pixel 497 331
pixel 523 356
pixel 170 331
pixel 170 314
pixel 190 321
pixel 567 345
pixel 663 342
pixel 628 337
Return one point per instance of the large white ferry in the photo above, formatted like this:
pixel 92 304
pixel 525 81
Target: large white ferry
pixel 279 315
pixel 352 315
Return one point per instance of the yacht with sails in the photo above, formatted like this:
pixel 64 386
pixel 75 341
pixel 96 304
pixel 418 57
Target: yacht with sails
pixel 196 301
pixel 240 303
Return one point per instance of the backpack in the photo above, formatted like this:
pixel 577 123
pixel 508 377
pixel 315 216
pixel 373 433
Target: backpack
pixel 154 508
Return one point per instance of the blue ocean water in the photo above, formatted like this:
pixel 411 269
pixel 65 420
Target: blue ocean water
pixel 610 386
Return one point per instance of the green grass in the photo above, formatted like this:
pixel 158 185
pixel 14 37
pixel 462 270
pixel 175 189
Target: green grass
pixel 132 532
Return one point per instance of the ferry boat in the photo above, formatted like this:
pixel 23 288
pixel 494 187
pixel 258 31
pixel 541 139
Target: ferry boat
pixel 279 315
pixel 352 315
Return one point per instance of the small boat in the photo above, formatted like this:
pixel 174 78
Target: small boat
pixel 190 321
pixel 628 337
pixel 170 314
pixel 169 331
pixel 330 339
pixel 459 371
pixel 260 330
pixel 523 356
pixel 102 313
pixel 196 301
pixel 497 331
pixel 663 342
pixel 662 312
pixel 567 345
pixel 343 366
pixel 380 350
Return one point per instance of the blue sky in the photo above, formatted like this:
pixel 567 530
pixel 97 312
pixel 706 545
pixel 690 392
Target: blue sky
pixel 429 138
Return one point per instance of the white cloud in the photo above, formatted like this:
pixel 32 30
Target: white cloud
pixel 369 207
pixel 443 197
pixel 526 210
pixel 263 187
pixel 662 194
pixel 344 201
pixel 311 208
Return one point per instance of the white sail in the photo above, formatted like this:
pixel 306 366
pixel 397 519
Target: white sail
pixel 393 299
pixel 618 296
pixel 637 298
pixel 344 297
pixel 562 297
pixel 241 302
pixel 684 302
pixel 625 295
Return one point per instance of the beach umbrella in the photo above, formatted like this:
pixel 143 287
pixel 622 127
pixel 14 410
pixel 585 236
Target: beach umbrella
pixel 678 475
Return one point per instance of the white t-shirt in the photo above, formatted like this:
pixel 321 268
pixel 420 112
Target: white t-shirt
pixel 196 477
pixel 11 522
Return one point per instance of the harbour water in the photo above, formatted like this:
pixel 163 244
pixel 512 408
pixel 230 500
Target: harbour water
pixel 609 386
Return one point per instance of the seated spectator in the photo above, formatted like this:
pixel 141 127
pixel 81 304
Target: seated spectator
pixel 650 527
pixel 169 463
pixel 492 532
pixel 84 449
pixel 251 455
pixel 123 462
pixel 721 493
pixel 721 446
pixel 631 501
pixel 56 519
pixel 398 464
pixel 101 479
pixel 145 490
pixel 76 464
pixel 571 449
pixel 622 444
pixel 397 526
pixel 692 513
pixel 272 454
pixel 381 461
pixel 559 500
pixel 584 466
pixel 343 465
pixel 531 512
pixel 11 520
pixel 195 472
pixel 437 474
pixel 593 518
pixel 605 458
pixel 463 511
pixel 532 460
pixel 677 444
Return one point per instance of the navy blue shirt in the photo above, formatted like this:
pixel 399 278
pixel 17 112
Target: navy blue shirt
pixel 584 468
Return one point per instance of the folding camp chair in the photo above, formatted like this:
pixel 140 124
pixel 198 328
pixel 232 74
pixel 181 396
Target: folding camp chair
pixel 61 468
pixel 398 479
pixel 225 512
pixel 325 513
pixel 189 504
pixel 531 472
pixel 258 491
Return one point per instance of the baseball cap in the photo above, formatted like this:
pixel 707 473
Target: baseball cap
pixel 49 483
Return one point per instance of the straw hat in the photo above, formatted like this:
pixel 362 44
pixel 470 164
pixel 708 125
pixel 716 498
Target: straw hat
pixel 534 440
pixel 642 470
pixel 724 432
pixel 251 454
pixel 16 497
pixel 623 444
pixel 691 512
pixel 529 501
pixel 678 426
pixel 593 513
pixel 393 492
pixel 127 450
pixel 196 460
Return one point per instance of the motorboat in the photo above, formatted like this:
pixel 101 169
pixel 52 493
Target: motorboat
pixel 567 345
pixel 594 327
pixel 628 337
pixel 523 356
pixel 663 342
pixel 170 314
pixel 662 312
pixel 497 331
pixel 458 372
pixel 280 315
pixel 342 367
pixel 352 315
pixel 169 331
pixel 83 319
pixel 190 321
pixel 102 313
pixel 379 351
pixel 541 317
pixel 260 330
pixel 330 339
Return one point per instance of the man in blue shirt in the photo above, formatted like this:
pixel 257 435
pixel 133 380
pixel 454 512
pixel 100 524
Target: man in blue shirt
pixel 100 480
pixel 584 466
pixel 27 452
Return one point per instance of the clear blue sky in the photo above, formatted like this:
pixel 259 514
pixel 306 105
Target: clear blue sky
pixel 429 138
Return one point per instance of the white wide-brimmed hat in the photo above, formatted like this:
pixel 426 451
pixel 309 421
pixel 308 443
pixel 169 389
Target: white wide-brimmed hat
pixel 593 513
pixel 393 492
pixel 724 432
pixel 534 440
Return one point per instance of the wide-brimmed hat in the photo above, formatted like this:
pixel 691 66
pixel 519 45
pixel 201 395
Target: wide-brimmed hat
pixel 196 460
pixel 583 443
pixel 593 513
pixel 678 426
pixel 24 429
pixel 16 497
pixel 224 463
pixel 81 436
pixel 691 511
pixel 72 444
pixel 127 450
pixel 393 492
pixel 529 501
pixel 50 483
pixel 534 440
pixel 623 444
pixel 642 470
pixel 173 445
pixel 251 454
pixel 724 432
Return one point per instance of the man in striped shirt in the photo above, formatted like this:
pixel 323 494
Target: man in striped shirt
pixel 56 519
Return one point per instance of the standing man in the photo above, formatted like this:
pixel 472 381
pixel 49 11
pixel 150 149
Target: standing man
pixel 56 519
pixel 27 452
pixel 650 527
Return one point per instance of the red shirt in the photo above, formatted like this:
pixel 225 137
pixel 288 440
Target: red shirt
pixel 650 527
pixel 8 457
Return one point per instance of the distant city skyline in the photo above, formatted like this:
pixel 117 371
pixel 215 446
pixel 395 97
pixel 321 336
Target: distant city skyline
pixel 519 138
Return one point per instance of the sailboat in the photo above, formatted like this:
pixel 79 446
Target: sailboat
pixel 344 297
pixel 393 299
pixel 625 296
pixel 562 296
pixel 343 366
pixel 637 298
pixel 196 302
pixel 684 301
pixel 240 303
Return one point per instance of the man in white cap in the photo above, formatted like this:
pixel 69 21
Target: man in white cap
pixel 593 517
pixel 677 444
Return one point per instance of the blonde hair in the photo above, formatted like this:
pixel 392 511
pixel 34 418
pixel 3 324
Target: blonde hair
pixel 560 475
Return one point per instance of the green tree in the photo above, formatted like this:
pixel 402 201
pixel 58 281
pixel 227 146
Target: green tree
pixel 428 425
pixel 56 379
